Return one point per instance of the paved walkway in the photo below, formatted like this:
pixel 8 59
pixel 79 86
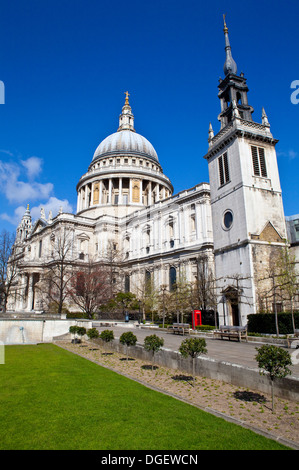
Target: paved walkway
pixel 233 352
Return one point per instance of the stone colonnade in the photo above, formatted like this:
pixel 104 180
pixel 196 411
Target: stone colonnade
pixel 121 191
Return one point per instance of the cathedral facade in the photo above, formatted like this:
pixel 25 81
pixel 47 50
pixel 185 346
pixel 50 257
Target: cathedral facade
pixel 126 210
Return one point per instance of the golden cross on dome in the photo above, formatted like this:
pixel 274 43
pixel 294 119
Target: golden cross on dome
pixel 127 97
pixel 225 27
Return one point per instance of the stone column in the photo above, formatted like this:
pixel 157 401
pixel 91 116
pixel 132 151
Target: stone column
pixel 92 191
pixel 78 201
pixel 101 193
pixel 30 292
pixel 110 192
pixel 120 191
pixel 130 191
pixel 140 191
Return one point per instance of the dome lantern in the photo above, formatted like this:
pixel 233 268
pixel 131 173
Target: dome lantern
pixel 126 119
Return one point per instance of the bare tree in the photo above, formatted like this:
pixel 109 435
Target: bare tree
pixel 113 259
pixel 288 277
pixel 8 266
pixel 280 282
pixel 204 285
pixel 89 287
pixel 59 269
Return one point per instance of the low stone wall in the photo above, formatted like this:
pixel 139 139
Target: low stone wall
pixel 287 388
pixel 29 331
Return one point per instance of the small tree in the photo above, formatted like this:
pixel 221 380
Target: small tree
pixel 153 343
pixel 128 339
pixel 73 331
pixel 274 361
pixel 107 336
pixel 81 331
pixel 193 347
pixel 92 333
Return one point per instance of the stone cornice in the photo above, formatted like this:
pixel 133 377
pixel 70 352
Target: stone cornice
pixel 239 128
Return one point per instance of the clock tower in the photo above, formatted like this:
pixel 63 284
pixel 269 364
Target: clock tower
pixel 247 211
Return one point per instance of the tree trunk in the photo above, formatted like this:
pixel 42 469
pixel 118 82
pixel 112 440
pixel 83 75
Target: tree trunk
pixel 272 393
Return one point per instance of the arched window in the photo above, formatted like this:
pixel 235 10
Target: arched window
pixel 172 278
pixel 127 283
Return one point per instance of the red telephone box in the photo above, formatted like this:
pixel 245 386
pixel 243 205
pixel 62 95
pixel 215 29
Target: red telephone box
pixel 196 318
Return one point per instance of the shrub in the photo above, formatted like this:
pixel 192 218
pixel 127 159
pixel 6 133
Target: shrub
pixel 74 331
pixel 81 331
pixel 193 347
pixel 265 323
pixel 92 333
pixel 205 327
pixel 274 361
pixel 107 336
pixel 153 343
pixel 129 339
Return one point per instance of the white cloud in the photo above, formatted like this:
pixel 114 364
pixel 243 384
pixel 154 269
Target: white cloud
pixel 53 204
pixel 17 191
pixel 33 166
pixel 16 217
pixel 291 154
pixel 18 183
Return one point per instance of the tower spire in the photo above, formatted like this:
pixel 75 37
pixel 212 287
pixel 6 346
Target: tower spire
pixel 232 89
pixel 25 226
pixel 126 119
pixel 230 65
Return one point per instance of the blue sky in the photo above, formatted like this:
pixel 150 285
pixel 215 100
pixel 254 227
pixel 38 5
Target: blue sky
pixel 66 65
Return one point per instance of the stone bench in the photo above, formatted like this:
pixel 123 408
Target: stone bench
pixel 180 328
pixel 235 332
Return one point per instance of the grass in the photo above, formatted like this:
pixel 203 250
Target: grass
pixel 52 399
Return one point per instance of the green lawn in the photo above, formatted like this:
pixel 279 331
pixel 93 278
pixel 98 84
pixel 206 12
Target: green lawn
pixel 53 399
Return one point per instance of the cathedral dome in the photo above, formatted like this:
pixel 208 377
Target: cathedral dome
pixel 125 141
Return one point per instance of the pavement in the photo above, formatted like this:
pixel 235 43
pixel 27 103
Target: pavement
pixel 231 351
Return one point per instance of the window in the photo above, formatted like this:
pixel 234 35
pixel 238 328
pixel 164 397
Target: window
pixel 40 248
pixel 193 223
pixel 172 278
pixel 258 161
pixel 127 283
pixel 278 306
pixel 228 219
pixel 223 169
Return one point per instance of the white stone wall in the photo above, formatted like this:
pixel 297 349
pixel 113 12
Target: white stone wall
pixel 36 331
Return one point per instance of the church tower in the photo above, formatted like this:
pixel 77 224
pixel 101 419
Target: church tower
pixel 247 210
pixel 24 226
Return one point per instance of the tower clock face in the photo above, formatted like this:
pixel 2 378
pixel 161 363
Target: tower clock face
pixel 228 219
